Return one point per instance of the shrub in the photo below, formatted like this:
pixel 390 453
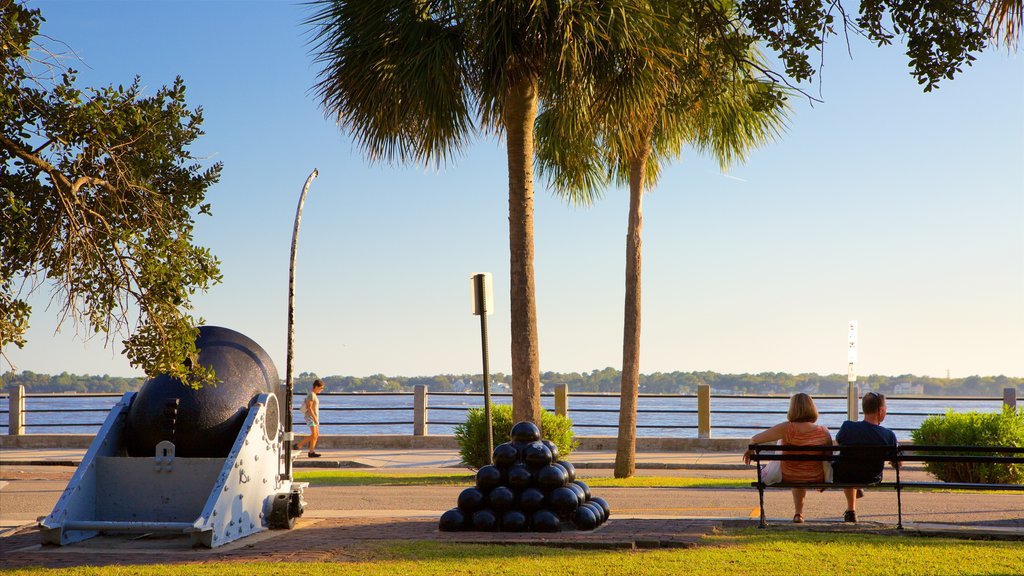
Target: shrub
pixel 472 435
pixel 1004 428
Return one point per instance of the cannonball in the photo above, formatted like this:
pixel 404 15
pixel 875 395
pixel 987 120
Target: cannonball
pixel 545 521
pixel 513 521
pixel 500 499
pixel 550 477
pixel 553 448
pixel 518 476
pixel 204 422
pixel 485 520
pixel 586 489
pixel 580 494
pixel 520 448
pixel 470 500
pixel 598 512
pixel 504 455
pixel 584 519
pixel 562 501
pixel 570 470
pixel 604 505
pixel 487 477
pixel 452 521
pixel 531 500
pixel 537 455
pixel 525 432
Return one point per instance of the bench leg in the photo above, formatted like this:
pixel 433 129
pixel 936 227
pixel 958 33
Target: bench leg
pixel 760 494
pixel 899 503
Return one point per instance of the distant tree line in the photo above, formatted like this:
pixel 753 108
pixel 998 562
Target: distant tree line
pixel 606 380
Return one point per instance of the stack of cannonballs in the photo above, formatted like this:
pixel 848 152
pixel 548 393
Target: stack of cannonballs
pixel 526 488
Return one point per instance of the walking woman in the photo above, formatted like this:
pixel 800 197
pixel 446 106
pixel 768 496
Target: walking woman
pixel 799 429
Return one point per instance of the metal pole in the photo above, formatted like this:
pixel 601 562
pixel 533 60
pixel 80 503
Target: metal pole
pixel 479 281
pixel 289 382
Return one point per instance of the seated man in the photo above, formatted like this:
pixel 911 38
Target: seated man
pixel 851 469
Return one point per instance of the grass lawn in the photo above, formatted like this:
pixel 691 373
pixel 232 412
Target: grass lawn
pixel 742 552
pixel 367 478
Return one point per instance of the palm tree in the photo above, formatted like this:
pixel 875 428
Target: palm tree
pixel 697 90
pixel 414 80
pixel 1003 18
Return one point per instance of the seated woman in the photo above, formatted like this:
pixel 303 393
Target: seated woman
pixel 798 430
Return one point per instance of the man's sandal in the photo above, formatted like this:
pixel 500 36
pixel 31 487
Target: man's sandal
pixel 798 519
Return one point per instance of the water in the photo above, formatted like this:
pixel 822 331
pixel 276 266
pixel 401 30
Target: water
pixel 677 417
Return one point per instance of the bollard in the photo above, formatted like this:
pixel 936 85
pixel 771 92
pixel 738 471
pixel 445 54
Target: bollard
pixel 16 410
pixel 419 419
pixel 562 400
pixel 703 411
pixel 1010 398
pixel 853 403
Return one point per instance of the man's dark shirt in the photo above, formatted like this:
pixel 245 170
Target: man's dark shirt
pixel 852 470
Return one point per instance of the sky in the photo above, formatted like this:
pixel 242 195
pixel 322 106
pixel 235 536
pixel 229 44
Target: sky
pixel 899 209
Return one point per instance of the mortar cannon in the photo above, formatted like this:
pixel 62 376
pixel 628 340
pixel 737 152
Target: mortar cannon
pixel 204 462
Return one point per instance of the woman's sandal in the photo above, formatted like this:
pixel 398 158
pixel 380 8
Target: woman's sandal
pixel 798 519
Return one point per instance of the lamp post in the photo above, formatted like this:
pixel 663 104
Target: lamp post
pixel 289 382
pixel 483 297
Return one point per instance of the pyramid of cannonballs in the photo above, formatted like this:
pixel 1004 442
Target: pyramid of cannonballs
pixel 526 487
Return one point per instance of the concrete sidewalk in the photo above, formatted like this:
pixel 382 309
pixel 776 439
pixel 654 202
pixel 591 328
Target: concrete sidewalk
pixel 421 458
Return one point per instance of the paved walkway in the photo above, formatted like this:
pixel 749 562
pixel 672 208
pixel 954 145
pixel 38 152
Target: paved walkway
pixel 336 526
pixel 424 459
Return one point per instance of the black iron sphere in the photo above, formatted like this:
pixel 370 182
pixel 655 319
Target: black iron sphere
pixel 604 505
pixel 485 520
pixel 452 521
pixel 513 521
pixel 504 455
pixel 545 521
pixel 525 432
pixel 584 519
pixel 570 470
pixel 519 477
pixel 597 510
pixel 537 455
pixel 562 501
pixel 487 477
pixel 559 464
pixel 531 500
pixel 550 477
pixel 500 499
pixel 470 500
pixel 520 448
pixel 553 448
pixel 580 494
pixel 586 489
pixel 203 422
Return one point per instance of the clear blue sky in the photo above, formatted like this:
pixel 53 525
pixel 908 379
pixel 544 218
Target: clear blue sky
pixel 899 209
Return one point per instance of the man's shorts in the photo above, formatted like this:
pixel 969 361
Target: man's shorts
pixel 309 421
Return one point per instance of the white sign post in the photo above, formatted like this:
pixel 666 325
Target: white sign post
pixel 483 306
pixel 853 411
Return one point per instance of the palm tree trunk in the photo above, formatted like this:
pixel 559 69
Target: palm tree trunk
pixel 519 116
pixel 625 453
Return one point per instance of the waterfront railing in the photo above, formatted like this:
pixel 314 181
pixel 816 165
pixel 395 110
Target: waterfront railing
pixel 419 412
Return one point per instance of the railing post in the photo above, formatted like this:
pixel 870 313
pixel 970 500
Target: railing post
pixel 16 410
pixel 419 418
pixel 852 407
pixel 1010 398
pixel 703 411
pixel 562 400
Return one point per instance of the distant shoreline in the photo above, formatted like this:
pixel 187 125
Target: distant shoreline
pixel 606 380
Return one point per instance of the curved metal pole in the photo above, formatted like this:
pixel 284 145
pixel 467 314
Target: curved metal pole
pixel 289 382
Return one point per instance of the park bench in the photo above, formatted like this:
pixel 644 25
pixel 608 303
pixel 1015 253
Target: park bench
pixel 763 453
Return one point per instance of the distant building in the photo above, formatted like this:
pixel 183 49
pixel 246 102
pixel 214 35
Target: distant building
pixel 908 389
